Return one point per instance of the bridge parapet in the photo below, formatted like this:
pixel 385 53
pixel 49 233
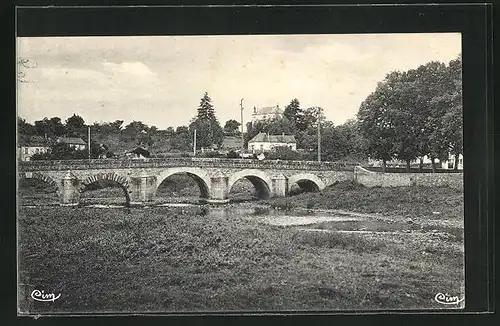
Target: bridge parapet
pixel 184 162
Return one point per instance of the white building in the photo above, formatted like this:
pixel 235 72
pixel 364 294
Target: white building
pixel 75 143
pixel 263 142
pixel 32 145
pixel 268 112
pixel 450 164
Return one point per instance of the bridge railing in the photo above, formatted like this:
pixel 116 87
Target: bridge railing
pixel 181 162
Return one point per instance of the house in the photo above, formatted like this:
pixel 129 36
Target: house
pixel 450 163
pixel 426 161
pixel 231 143
pixel 268 112
pixel 263 142
pixel 28 146
pixel 75 143
pixel 138 153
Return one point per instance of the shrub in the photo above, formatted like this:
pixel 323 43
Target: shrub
pixel 284 153
pixel 232 154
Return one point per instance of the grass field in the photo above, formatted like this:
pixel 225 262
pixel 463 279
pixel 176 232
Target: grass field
pixel 181 259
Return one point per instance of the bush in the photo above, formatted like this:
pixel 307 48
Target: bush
pixel 284 153
pixel 211 154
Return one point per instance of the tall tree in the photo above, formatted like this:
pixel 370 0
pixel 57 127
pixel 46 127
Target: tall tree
pixel 75 126
pixel 206 109
pixel 376 122
pixel 451 102
pixel 209 133
pixel 293 112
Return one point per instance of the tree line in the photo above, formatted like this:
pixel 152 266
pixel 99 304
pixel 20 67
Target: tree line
pixel 415 113
pixel 410 114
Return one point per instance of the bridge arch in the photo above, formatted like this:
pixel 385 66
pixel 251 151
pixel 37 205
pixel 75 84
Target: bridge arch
pixel 197 174
pixel 42 177
pixel 306 181
pixel 260 180
pixel 120 180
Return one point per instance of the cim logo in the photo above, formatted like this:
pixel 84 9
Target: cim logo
pixel 447 299
pixel 44 297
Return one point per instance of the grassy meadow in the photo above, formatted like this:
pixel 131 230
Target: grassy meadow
pixel 166 259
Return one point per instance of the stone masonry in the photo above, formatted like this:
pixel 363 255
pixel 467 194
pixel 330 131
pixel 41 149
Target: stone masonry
pixel 140 179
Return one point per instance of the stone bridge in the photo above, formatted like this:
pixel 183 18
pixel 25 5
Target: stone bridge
pixel 140 179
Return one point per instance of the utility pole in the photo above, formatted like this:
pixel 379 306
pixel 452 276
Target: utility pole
pixel 242 138
pixel 89 140
pixel 194 143
pixel 319 134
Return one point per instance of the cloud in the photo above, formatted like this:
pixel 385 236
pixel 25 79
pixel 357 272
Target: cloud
pixel 161 79
pixel 138 69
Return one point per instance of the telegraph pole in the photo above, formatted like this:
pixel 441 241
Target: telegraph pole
pixel 319 134
pixel 194 143
pixel 89 140
pixel 242 138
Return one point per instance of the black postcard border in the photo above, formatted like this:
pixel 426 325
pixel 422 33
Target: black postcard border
pixel 474 21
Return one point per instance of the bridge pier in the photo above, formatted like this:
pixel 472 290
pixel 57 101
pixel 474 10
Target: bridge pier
pixel 219 188
pixel 279 186
pixel 142 189
pixel 69 192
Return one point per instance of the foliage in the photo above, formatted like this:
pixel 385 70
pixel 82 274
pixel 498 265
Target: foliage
pixel 293 111
pixel 25 128
pixel 75 126
pixel 284 153
pixel 231 128
pixel 206 109
pixel 414 113
pixel 273 126
pixel 209 133
pixel 232 154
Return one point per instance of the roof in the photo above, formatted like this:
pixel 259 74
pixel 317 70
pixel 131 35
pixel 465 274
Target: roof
pixel 268 110
pixel 140 151
pixel 33 141
pixel 231 142
pixel 71 140
pixel 266 138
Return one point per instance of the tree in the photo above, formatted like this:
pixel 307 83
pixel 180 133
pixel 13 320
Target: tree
pixel 25 128
pixel 208 133
pixel 57 127
pixel 451 103
pixel 135 128
pixel 349 143
pixel 231 128
pixel 273 126
pixel 206 110
pixel 75 126
pixel 182 139
pixel 376 124
pixel 293 112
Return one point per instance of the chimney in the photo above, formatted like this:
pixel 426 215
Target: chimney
pixel 254 109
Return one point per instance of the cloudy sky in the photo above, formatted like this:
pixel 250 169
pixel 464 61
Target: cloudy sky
pixel 159 80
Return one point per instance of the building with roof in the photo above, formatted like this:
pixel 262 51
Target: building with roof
pixel 232 143
pixel 267 112
pixel 75 143
pixel 29 146
pixel 264 142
